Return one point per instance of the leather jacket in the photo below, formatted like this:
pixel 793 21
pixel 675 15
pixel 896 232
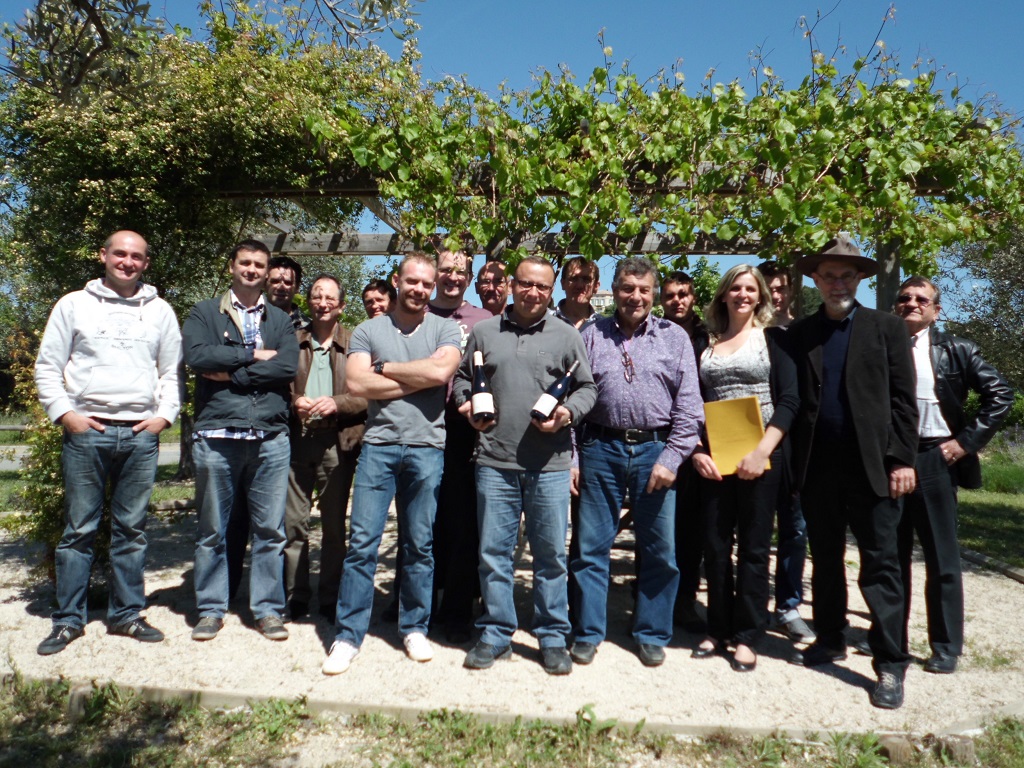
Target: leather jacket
pixel 959 368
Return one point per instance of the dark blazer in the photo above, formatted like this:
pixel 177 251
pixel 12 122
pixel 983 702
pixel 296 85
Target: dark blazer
pixel 959 368
pixel 257 395
pixel 880 385
pixel 351 410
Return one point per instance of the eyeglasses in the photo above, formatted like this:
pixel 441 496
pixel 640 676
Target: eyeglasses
pixel 528 285
pixel 496 283
pixel 846 277
pixel 627 363
pixel 906 298
pixel 449 271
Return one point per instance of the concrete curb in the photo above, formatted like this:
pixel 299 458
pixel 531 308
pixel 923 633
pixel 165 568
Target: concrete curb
pixel 1017 574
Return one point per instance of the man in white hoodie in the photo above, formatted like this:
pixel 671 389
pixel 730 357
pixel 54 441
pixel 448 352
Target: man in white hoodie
pixel 107 372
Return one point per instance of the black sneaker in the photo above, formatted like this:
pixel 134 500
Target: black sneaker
pixel 139 629
pixel 556 661
pixel 583 653
pixel 483 655
pixel 207 628
pixel 58 639
pixel 888 693
pixel 272 628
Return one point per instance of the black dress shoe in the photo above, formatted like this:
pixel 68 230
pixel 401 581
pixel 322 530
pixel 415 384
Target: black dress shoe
pixel 816 655
pixel 888 693
pixel 298 609
pixel 940 664
pixel 701 652
pixel 329 612
pixel 583 653
pixel 651 655
pixel 556 661
pixel 743 666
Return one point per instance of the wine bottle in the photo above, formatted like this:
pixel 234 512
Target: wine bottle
pixel 555 394
pixel 482 402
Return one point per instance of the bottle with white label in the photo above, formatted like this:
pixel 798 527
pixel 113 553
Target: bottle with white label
pixel 482 401
pixel 555 394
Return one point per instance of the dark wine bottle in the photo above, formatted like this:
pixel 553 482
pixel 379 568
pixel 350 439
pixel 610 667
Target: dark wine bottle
pixel 555 394
pixel 482 402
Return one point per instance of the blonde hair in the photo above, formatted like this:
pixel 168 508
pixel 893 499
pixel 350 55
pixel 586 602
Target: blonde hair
pixel 716 314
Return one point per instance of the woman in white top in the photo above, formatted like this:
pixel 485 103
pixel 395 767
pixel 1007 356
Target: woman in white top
pixel 745 358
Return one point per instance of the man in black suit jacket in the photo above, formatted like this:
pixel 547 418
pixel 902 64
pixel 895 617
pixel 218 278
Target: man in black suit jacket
pixel 855 442
pixel 948 369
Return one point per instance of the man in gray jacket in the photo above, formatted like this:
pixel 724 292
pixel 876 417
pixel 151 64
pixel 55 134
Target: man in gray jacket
pixel 107 372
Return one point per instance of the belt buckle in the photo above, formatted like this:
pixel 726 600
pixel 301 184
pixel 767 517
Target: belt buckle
pixel 633 436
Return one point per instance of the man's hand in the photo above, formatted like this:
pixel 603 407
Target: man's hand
pixel 706 466
pixel 660 478
pixel 574 481
pixel 218 376
pixel 323 406
pixel 156 425
pixel 902 480
pixel 264 354
pixel 952 451
pixel 76 423
pixel 559 420
pixel 466 409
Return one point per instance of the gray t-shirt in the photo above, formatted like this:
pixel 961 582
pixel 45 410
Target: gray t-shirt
pixel 417 419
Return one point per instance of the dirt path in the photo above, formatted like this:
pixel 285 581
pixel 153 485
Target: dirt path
pixel 685 694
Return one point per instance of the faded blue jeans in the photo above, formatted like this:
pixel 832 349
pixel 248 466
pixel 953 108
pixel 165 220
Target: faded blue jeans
pixel 543 497
pixel 89 459
pixel 413 473
pixel 226 468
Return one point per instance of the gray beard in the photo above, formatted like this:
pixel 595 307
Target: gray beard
pixel 840 306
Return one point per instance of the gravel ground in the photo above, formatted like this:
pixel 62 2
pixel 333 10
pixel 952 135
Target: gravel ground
pixel 683 695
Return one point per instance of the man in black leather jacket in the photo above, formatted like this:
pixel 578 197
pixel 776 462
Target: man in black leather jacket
pixel 948 368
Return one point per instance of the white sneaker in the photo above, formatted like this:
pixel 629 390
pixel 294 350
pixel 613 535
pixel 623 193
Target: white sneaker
pixel 418 647
pixel 340 658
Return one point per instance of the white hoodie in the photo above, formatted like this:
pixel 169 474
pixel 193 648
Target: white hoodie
pixel 110 357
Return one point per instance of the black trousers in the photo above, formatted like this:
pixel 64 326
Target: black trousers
pixel 837 495
pixel 931 511
pixel 689 533
pixel 456 537
pixel 740 511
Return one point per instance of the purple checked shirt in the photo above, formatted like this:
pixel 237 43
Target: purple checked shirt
pixel 664 391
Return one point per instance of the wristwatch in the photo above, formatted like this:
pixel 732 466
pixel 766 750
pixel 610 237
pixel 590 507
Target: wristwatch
pixel 378 367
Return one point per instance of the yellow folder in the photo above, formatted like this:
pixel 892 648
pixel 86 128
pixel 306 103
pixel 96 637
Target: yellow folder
pixel 734 429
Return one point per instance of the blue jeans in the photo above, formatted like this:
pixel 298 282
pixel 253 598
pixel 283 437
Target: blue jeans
pixel 502 495
pixel 226 468
pixel 608 469
pixel 89 459
pixel 791 554
pixel 413 473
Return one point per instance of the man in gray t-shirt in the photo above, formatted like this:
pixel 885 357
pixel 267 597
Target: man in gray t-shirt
pixel 401 363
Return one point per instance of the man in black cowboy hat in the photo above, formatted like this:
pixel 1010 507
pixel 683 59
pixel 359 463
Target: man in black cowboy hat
pixel 855 442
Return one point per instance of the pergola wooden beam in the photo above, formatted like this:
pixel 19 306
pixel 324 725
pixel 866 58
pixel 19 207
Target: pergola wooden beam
pixel 373 244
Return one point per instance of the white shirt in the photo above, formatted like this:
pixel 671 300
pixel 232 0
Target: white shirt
pixel 930 423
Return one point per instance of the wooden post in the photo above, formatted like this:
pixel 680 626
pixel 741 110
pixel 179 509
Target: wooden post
pixel 888 280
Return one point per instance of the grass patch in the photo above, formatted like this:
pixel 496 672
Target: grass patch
pixel 10 484
pixel 115 727
pixel 993 524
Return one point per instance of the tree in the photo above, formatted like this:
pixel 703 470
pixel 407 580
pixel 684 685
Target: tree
pixel 986 296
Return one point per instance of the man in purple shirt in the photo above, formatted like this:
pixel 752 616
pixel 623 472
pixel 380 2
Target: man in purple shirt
pixel 646 422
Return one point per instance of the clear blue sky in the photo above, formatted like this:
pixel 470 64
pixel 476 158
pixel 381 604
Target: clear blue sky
pixel 979 46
